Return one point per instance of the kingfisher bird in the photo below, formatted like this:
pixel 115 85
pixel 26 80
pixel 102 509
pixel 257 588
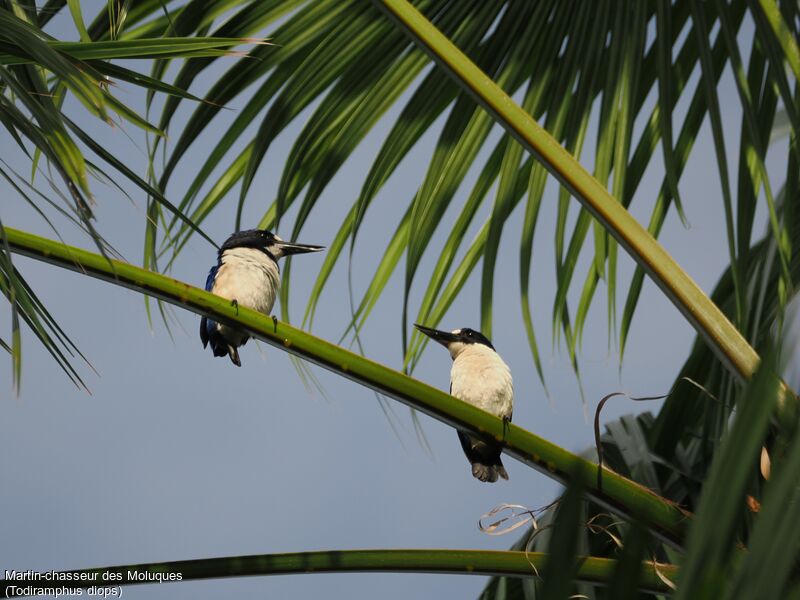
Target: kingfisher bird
pixel 481 378
pixel 246 273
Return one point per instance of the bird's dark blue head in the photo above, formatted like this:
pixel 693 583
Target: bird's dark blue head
pixel 267 242
pixel 465 335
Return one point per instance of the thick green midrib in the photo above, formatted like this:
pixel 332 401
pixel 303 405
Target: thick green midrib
pixel 618 493
pixel 591 570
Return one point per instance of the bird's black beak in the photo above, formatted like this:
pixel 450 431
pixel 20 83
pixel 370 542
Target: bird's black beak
pixel 443 337
pixel 291 248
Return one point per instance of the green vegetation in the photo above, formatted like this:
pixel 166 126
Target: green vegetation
pixel 688 483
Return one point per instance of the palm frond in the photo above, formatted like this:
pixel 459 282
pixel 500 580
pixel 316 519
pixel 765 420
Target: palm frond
pixel 572 58
pixel 36 74
pixel 617 493
pixel 475 562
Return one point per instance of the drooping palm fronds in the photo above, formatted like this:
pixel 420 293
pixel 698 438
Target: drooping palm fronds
pixel 37 73
pixel 564 59
pixel 672 454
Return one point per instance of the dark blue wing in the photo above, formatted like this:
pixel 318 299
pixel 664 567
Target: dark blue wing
pixel 210 333
pixel 212 275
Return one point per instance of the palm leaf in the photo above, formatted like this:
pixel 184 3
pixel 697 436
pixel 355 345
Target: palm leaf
pixel 358 561
pixel 598 533
pixel 313 70
pixel 324 60
pixel 31 105
pixel 712 538
pixel 617 492
pixel 672 453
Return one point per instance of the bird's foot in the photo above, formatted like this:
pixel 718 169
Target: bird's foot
pixel 235 304
pixel 506 422
pixel 275 323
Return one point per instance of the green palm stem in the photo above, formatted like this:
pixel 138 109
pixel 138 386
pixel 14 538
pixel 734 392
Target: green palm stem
pixel 591 570
pixel 617 493
pixel 709 321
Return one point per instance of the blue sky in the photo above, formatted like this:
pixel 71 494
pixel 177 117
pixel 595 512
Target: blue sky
pixel 177 455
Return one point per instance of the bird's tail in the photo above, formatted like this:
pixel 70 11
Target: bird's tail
pixel 234 354
pixel 209 332
pixel 484 457
pixel 489 473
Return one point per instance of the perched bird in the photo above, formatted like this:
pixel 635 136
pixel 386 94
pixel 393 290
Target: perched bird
pixel 480 377
pixel 247 273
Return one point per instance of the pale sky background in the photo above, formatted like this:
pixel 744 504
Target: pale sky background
pixel 177 455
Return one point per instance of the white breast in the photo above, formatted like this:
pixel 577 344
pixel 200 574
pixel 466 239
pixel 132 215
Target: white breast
pixel 479 376
pixel 250 277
